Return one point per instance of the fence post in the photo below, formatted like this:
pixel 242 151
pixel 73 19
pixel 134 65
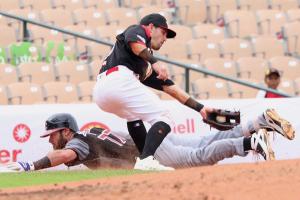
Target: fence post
pixel 25 31
pixel 187 80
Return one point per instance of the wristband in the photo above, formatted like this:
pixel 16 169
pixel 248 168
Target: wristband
pixel 192 103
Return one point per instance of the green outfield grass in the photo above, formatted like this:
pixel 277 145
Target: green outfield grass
pixel 9 180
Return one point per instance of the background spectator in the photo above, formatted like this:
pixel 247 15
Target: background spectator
pixel 272 80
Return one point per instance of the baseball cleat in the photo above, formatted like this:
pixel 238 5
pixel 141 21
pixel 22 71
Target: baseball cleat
pixel 150 164
pixel 278 124
pixel 260 144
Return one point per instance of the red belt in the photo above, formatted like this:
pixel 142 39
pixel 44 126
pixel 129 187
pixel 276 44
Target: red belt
pixel 113 69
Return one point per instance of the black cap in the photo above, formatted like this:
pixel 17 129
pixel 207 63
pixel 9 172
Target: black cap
pixel 159 21
pixel 270 71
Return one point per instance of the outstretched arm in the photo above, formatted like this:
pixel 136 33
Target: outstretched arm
pixel 52 159
pixel 184 98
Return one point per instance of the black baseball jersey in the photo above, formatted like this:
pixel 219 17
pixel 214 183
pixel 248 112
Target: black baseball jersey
pixel 121 53
pixel 99 147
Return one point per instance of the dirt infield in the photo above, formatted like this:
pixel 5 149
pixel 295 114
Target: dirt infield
pixel 268 181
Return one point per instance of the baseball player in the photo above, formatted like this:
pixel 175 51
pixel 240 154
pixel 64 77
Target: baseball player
pixel 119 89
pixel 101 148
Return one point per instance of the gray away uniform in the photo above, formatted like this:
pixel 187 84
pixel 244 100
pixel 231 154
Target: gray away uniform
pixel 176 150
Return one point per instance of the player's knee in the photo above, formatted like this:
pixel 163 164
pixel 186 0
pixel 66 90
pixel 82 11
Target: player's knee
pixel 162 127
pixel 164 118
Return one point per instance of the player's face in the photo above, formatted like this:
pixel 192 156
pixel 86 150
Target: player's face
pixel 57 140
pixel 158 37
pixel 273 81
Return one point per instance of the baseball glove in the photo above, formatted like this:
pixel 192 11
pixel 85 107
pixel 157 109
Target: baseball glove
pixel 223 119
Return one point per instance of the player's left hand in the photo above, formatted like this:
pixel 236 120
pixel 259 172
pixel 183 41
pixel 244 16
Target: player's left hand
pixel 205 111
pixel 161 70
pixel 17 167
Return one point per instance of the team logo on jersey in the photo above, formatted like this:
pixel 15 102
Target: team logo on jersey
pixel 91 125
pixel 21 133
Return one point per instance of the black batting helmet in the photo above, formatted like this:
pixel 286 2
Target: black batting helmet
pixel 60 121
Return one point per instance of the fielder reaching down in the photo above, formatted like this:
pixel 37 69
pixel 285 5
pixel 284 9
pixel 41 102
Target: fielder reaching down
pixel 119 89
pixel 100 148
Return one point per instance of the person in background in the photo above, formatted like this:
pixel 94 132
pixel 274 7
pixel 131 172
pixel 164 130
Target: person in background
pixel 272 80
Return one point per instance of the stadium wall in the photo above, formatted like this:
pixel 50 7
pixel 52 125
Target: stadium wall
pixel 21 126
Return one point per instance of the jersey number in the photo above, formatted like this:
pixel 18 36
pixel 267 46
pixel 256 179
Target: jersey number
pixel 107 135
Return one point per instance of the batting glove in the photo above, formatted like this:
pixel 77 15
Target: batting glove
pixel 20 166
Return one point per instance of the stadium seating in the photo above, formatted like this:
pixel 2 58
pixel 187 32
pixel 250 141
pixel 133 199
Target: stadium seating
pixel 3 95
pixel 121 16
pixel 8 35
pixel 293 15
pixel 175 49
pixel 235 48
pixel 191 12
pixel 222 66
pixel 9 5
pixel 217 8
pixel 101 4
pixel 73 72
pixel 58 17
pixel 184 33
pixel 85 91
pixel 252 68
pixel 8 74
pixel 109 32
pixel 235 23
pixel 297 86
pixel 36 72
pixel 60 92
pixel 270 21
pixel 236 90
pixel 36 5
pixel 67 4
pixel 208 31
pixel 284 5
pixel 238 38
pixel 287 86
pixel 91 17
pixel 201 49
pixel 24 93
pixel 267 46
pixel 288 65
pixel 143 11
pixel 210 88
pixel 40 35
pixel 252 4
pixel 291 33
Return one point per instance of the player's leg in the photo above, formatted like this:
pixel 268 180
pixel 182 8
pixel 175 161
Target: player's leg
pixel 271 121
pixel 134 101
pixel 138 133
pixel 184 156
pixel 201 141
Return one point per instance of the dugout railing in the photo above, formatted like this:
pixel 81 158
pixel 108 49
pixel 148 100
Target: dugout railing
pixel 187 67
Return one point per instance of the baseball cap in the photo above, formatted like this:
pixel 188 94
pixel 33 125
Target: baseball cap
pixel 58 122
pixel 159 21
pixel 270 71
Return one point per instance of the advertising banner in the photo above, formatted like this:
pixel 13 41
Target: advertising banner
pixel 21 126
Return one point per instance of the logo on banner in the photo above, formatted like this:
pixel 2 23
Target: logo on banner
pixel 21 133
pixel 94 125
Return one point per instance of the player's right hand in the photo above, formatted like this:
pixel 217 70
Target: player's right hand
pixel 17 167
pixel 161 70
